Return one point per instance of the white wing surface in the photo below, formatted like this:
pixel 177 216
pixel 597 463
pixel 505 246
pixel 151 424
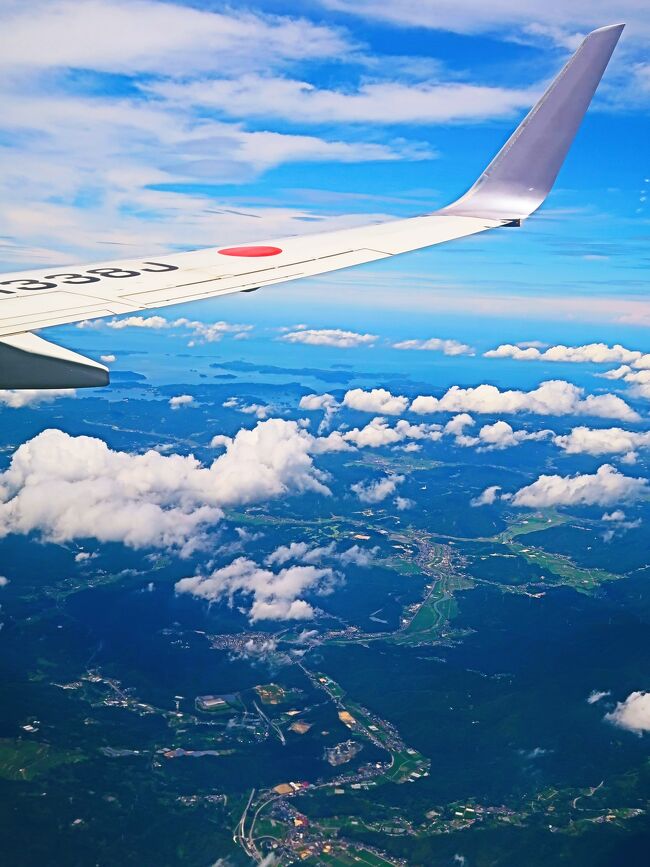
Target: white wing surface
pixel 512 187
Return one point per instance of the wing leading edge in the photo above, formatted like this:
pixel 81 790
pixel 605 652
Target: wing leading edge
pixel 511 188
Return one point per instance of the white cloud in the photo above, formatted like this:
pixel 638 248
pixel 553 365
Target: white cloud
pixel 3 581
pixel 153 322
pixel 375 492
pixel 379 433
pixel 500 435
pixel 271 460
pixel 66 487
pixel 602 441
pixel 603 488
pixel 555 397
pixel 456 426
pixel 259 410
pixel 316 402
pixel 563 23
pixel 616 516
pixel 392 102
pixel 269 595
pixel 402 503
pixel 33 396
pixel 596 695
pixel 107 359
pixel 617 522
pixel 201 332
pixel 632 714
pixel 219 441
pixel 436 344
pixel 145 36
pixel 638 380
pixel 333 442
pixel 593 353
pixel 329 337
pixel 181 400
pixel 377 400
pixel 304 552
pixel 488 497
pixel 84 556
pixel 286 553
pixel 210 332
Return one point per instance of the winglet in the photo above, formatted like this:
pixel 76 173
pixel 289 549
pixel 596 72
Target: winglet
pixel 521 175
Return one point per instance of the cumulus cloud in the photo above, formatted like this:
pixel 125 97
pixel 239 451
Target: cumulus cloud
pixel 326 403
pixel 555 397
pixel 268 595
pixel 33 396
pixel 456 426
pixel 155 323
pixel 84 556
pixel 329 337
pixel 602 441
pixel 66 487
pixel 315 402
pixel 269 461
pixel 594 353
pixel 210 332
pixel 488 497
pixel 3 581
pixel 638 380
pixel 181 400
pixel 379 433
pixel 616 516
pixel 632 714
pixel 200 332
pixel 333 442
pixel 305 552
pixel 107 359
pixel 377 400
pixel 617 522
pixel 375 492
pixel 603 488
pixel 500 435
pixel 596 695
pixel 402 503
pixel 259 410
pixel 437 344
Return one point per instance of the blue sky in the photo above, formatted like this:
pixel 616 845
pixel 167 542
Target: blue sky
pixel 146 126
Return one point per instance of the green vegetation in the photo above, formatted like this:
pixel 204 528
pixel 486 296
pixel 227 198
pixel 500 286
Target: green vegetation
pixel 25 760
pixel 530 524
pixel 352 855
pixel 400 565
pixel 407 764
pixel 582 580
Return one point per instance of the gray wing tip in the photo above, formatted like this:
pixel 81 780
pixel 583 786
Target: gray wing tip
pixel 607 29
pixel 522 174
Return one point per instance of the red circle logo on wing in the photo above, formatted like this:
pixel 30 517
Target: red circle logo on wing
pixel 253 252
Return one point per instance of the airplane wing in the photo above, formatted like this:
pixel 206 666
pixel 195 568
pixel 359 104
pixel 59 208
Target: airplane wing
pixel 511 188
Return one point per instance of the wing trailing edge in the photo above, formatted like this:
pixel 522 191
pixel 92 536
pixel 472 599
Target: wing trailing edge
pixel 28 361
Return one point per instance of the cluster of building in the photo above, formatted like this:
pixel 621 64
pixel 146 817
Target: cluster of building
pixel 342 753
